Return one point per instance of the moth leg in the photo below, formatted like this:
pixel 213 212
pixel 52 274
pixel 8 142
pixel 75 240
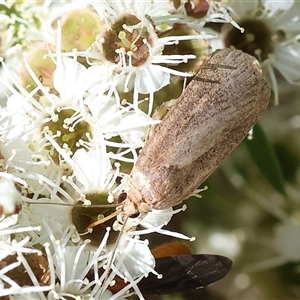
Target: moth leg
pixel 103 220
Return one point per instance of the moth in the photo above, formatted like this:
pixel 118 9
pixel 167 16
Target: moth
pixel 205 124
pixel 185 272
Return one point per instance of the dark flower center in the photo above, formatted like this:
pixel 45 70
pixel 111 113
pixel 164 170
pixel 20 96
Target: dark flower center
pixel 126 37
pixel 256 40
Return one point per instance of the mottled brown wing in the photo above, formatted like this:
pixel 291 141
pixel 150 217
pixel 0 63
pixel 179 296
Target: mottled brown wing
pixel 205 124
pixel 207 110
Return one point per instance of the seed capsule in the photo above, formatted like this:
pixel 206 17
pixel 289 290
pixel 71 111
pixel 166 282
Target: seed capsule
pixel 213 115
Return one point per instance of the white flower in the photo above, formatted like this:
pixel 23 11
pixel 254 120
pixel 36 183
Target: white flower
pixel 131 133
pixel 92 162
pixel 14 253
pixel 196 14
pixel 84 272
pixel 129 52
pixel 24 21
pixel 54 183
pixel 69 80
pixel 271 34
pixel 21 23
pixel 69 137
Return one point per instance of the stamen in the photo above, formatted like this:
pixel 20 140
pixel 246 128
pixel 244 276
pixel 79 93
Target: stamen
pixel 123 38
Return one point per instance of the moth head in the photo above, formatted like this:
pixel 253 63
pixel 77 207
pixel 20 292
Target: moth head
pixel 125 205
pixel 128 206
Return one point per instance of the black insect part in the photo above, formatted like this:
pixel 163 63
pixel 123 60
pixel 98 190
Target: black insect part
pixel 185 272
pixel 122 197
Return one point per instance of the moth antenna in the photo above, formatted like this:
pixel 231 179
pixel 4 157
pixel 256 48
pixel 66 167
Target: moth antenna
pixel 112 215
pixel 96 205
pixel 114 252
pixel 76 205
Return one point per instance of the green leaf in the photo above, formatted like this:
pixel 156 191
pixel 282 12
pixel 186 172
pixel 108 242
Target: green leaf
pixel 265 158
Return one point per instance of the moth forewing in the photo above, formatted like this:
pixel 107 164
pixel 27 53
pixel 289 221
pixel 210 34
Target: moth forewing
pixel 204 125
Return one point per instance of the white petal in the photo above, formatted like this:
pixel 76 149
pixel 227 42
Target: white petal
pixel 159 217
pixel 97 79
pixel 91 168
pixel 287 61
pixel 150 80
pixel 137 124
pixel 138 260
pixel 69 79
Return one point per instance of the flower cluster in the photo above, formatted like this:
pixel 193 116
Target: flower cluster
pixel 80 81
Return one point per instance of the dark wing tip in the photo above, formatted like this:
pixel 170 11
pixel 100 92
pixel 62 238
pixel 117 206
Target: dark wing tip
pixel 185 272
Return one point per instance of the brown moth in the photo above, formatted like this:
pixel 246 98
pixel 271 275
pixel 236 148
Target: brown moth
pixel 205 124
